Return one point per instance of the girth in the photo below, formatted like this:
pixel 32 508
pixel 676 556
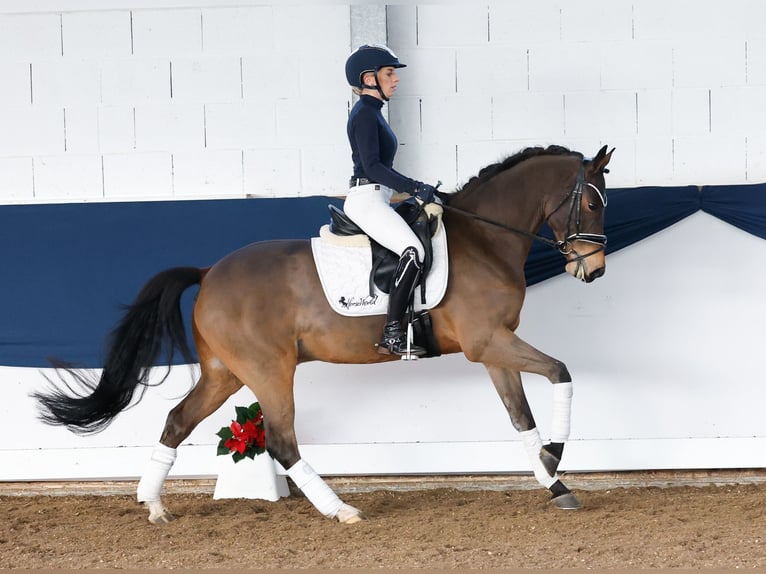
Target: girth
pixel 384 261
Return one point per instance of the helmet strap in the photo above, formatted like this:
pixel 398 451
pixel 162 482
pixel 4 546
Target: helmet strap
pixel 377 87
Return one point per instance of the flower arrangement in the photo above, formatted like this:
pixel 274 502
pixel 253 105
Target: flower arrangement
pixel 245 436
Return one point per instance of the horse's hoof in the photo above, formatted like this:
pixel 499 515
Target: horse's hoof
pixel 349 515
pixel 158 514
pixel 566 501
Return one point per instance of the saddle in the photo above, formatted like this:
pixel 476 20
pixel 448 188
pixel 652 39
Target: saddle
pixel 422 220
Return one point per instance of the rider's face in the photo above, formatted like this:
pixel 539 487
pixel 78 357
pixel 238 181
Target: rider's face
pixel 387 80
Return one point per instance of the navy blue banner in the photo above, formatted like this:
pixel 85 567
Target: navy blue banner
pixel 68 269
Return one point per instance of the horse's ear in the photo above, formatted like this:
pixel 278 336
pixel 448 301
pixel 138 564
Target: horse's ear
pixel 599 163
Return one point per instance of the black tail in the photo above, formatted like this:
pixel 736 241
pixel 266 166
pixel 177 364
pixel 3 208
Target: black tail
pixel 153 323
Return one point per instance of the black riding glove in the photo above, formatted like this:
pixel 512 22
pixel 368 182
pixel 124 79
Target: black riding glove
pixel 424 192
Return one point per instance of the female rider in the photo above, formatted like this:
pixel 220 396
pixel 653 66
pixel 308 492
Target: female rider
pixel 371 72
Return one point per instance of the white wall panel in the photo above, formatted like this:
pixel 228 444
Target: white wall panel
pixel 269 74
pixel 16 179
pixel 535 116
pixel 30 131
pixel 428 71
pixel 17 86
pixel 756 61
pixel 209 173
pixel 430 162
pixel 169 127
pixel 691 111
pixel 138 176
pixel 135 81
pixel 452 24
pixel 163 33
pixel 96 34
pixel 312 121
pixel 81 129
pixel 237 31
pixel 66 81
pixel 272 172
pixel 250 124
pixel 491 70
pixel 24 37
pixel 324 171
pixel 600 114
pixel 711 62
pixel 68 176
pixel 738 110
pixel 653 159
pixel 116 129
pixel 637 65
pixel 472 156
pixel 655 113
pixel 454 118
pixel 709 160
pixel 207 79
pixel 756 158
pixel 564 67
pixel 401 26
pixel 582 21
pixel 524 23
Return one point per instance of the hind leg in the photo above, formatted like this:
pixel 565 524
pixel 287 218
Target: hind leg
pixel 272 382
pixel 544 458
pixel 215 385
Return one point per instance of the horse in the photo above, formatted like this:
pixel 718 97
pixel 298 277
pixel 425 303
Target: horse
pixel 261 311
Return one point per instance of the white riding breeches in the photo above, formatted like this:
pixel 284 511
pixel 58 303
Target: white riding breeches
pixel 369 206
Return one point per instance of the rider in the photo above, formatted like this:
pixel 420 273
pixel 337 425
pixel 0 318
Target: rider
pixel 371 72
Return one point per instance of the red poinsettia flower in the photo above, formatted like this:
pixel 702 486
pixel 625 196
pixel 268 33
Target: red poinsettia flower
pixel 245 436
pixel 240 439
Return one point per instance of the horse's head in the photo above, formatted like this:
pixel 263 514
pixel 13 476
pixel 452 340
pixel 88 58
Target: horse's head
pixel 578 221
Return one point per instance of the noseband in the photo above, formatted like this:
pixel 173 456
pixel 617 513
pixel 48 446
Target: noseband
pixel 575 212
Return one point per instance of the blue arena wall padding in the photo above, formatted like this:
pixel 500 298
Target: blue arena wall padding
pixel 68 270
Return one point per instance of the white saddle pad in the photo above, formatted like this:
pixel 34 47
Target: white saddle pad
pixel 344 265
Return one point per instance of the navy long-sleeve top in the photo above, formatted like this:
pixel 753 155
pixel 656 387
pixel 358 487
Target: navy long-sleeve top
pixel 373 145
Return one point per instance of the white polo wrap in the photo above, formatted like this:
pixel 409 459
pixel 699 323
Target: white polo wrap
pixel 533 444
pixel 160 463
pixel 562 412
pixel 316 490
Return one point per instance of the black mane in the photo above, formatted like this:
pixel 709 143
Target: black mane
pixel 490 171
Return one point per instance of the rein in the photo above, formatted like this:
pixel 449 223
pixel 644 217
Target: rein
pixel 575 206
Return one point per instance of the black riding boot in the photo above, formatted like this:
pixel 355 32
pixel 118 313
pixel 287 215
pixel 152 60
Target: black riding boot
pixel 402 287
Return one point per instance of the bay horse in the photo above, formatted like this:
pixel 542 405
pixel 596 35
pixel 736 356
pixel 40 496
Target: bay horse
pixel 261 311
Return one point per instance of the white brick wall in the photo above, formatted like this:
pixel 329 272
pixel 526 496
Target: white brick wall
pixel 179 101
pixel 189 99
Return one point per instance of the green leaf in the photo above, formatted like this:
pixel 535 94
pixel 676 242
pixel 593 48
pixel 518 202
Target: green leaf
pixel 237 457
pixel 225 433
pixel 222 449
pixel 253 410
pixel 242 414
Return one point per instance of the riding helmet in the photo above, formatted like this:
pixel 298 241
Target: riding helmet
pixel 369 58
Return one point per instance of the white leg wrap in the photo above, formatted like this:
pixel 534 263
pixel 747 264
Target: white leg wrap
pixel 533 444
pixel 316 490
pixel 562 412
pixel 150 485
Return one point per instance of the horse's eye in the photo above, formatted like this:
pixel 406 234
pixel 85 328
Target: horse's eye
pixel 592 206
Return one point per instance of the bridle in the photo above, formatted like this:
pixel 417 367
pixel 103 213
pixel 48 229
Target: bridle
pixel 563 246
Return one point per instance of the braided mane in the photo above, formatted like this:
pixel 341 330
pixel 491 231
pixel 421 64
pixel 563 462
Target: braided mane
pixel 490 171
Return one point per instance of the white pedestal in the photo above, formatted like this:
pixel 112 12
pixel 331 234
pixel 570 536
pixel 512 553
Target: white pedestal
pixel 248 478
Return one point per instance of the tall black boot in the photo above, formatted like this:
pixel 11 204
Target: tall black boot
pixel 402 287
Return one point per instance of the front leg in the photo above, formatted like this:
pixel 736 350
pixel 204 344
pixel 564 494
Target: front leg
pixel 544 459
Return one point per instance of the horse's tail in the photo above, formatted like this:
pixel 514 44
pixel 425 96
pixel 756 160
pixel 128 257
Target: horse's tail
pixel 151 324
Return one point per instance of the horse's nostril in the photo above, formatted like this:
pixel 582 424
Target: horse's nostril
pixel 597 273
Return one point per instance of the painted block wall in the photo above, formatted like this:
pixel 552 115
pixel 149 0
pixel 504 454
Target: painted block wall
pixel 677 86
pixel 128 103
pixel 213 99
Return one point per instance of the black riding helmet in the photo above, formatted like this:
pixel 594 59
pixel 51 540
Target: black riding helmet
pixel 369 58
